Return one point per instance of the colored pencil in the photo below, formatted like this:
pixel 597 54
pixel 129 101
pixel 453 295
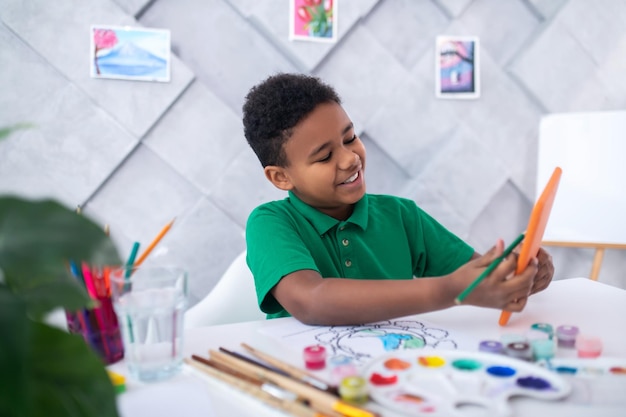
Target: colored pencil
pixel 129 269
pixel 493 265
pixel 83 314
pixel 155 242
pixel 76 273
pixel 322 401
pixel 97 311
pixel 290 406
pixel 131 260
pixel 291 370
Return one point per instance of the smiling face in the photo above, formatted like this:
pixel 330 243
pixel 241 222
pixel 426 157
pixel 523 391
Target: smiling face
pixel 326 160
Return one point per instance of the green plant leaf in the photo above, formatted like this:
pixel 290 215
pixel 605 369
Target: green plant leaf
pixel 37 239
pixel 73 384
pixel 15 332
pixel 47 296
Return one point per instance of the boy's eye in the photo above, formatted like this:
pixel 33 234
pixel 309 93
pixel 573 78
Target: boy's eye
pixel 326 158
pixel 352 139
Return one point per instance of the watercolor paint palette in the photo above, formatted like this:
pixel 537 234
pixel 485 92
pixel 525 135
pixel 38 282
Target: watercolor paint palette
pixel 450 383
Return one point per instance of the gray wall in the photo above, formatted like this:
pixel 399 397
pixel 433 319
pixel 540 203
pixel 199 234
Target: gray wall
pixel 137 154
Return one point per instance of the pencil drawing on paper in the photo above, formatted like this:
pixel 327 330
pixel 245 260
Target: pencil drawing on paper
pixel 364 342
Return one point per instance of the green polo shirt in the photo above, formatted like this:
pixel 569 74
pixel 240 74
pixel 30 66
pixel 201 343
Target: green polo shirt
pixel 386 237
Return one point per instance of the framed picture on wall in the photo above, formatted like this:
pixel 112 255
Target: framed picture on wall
pixel 457 67
pixel 130 53
pixel 313 20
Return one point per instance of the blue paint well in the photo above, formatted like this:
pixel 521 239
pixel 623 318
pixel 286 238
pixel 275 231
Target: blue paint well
pixel 534 383
pixel 502 371
pixel 566 370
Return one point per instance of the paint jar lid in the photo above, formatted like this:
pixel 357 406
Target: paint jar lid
pixel 341 366
pixel 353 388
pixel 566 331
pixel 519 350
pixel 314 357
pixel 491 346
pixel 339 360
pixel 315 353
pixel 540 331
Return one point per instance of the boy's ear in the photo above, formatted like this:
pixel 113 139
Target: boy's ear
pixel 277 176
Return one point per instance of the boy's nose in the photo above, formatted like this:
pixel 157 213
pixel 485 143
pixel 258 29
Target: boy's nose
pixel 350 161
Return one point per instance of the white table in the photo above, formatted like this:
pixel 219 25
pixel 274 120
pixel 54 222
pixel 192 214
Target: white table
pixel 593 307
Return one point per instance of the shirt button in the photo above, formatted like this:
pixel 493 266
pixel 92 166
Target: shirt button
pixel 345 242
pixel 342 228
pixel 348 263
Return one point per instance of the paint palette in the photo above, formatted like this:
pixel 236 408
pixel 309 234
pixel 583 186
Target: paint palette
pixel 454 383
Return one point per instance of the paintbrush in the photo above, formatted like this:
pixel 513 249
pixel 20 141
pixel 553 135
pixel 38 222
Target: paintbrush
pixel 320 400
pixel 292 371
pixel 273 397
pixel 252 361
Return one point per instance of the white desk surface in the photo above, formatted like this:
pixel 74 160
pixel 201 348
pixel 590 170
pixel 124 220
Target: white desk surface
pixel 594 307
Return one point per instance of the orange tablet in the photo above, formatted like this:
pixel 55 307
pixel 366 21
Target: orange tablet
pixel 536 226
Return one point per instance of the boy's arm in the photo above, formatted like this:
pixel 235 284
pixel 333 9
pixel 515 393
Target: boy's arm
pixel 340 301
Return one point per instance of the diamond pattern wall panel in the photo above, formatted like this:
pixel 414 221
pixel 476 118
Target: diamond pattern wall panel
pixel 137 154
pixel 59 32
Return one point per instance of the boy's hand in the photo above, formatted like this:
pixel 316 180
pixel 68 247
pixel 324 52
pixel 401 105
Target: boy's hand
pixel 545 272
pixel 501 289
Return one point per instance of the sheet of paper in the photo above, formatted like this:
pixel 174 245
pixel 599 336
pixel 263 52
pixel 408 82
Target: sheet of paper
pixel 365 342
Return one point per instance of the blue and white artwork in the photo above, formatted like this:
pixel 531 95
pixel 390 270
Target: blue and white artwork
pixel 130 53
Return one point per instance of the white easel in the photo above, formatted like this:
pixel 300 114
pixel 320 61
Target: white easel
pixel 590 211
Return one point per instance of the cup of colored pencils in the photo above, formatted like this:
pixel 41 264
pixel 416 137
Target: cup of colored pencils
pixel 98 326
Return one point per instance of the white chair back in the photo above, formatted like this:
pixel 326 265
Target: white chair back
pixel 233 299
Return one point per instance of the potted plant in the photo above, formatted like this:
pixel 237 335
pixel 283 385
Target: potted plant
pixel 45 370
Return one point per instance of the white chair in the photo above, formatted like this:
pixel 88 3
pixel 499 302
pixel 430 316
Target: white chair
pixel 233 299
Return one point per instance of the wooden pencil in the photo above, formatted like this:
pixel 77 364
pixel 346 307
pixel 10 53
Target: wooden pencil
pixel 154 242
pixel 320 400
pixel 290 406
pixel 291 370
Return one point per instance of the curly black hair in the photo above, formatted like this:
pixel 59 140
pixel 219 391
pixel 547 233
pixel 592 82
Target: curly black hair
pixel 275 106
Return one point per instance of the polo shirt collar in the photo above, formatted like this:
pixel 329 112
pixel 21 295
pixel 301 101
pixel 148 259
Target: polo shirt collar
pixel 322 222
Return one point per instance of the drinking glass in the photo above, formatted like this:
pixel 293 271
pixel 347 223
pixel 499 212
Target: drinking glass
pixel 150 304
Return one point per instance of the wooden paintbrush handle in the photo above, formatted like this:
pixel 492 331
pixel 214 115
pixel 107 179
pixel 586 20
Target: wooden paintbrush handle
pixel 290 406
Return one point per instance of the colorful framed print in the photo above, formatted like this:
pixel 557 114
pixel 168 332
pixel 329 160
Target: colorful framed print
pixel 130 53
pixel 457 69
pixel 313 20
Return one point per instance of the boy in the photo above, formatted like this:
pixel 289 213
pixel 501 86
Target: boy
pixel 330 254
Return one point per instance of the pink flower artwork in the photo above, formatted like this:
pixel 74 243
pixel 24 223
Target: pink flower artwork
pixel 102 39
pixel 313 19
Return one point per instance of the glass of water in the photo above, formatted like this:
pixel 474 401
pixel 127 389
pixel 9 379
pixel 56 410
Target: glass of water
pixel 150 304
